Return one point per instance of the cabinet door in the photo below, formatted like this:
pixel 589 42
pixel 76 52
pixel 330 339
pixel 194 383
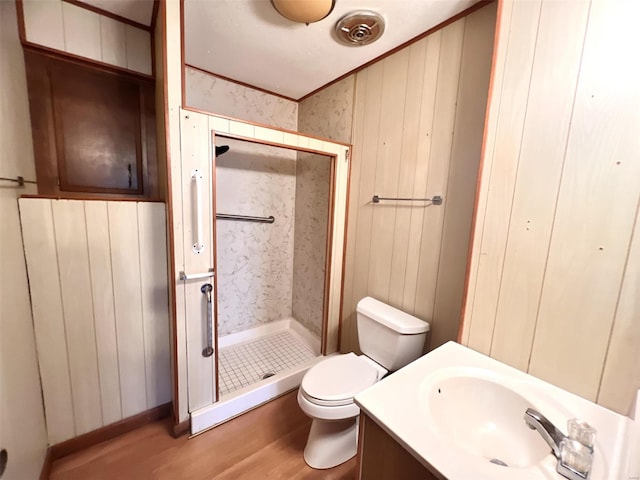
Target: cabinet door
pixel 94 131
pixel 97 126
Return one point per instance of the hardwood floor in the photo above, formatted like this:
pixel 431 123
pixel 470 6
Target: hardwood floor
pixel 266 443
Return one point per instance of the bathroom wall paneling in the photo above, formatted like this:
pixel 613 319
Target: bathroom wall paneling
pixel 100 310
pixel 82 33
pixel 412 112
pixel 554 249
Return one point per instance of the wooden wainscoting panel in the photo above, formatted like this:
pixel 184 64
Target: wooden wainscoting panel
pixel 77 305
pixel 438 173
pixel 125 264
pixel 82 31
pixel 104 309
pixel 48 317
pixel 112 39
pixel 155 301
pixel 538 179
pixel 98 286
pixel 597 206
pixel 424 142
pixel 407 156
pixel 389 150
pixel 368 100
pixel 500 185
pixel 496 81
pixel 621 375
pixel 44 23
pixel 471 104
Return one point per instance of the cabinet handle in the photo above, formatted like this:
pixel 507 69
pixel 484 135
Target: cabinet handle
pixel 130 177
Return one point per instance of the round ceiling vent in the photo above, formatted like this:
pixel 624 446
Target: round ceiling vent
pixel 360 28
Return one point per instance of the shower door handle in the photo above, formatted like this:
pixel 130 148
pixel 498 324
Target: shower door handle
pixel 206 289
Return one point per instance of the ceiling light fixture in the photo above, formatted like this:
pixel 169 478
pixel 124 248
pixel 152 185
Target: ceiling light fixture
pixel 304 11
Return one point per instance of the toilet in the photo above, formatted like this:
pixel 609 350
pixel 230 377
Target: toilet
pixel 389 340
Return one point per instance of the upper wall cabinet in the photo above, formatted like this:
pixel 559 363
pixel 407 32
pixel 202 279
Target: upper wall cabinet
pixel 93 130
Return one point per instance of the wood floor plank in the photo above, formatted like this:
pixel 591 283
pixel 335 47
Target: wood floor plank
pixel 266 443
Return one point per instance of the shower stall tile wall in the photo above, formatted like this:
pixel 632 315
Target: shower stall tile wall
pixel 313 175
pixel 255 260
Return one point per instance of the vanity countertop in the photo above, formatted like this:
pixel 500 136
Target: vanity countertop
pixel 405 402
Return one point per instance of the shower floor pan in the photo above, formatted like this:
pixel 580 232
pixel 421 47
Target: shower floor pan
pixel 256 366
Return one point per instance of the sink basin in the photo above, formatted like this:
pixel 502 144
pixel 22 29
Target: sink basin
pixel 484 418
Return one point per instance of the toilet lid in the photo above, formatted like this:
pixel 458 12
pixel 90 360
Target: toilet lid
pixel 338 378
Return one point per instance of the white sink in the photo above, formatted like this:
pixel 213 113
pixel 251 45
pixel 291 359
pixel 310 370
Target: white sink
pixel 482 417
pixel 461 414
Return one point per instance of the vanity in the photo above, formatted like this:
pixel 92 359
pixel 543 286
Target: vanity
pixel 456 414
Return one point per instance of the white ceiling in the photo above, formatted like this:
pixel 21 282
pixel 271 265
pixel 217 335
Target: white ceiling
pixel 248 41
pixel 139 11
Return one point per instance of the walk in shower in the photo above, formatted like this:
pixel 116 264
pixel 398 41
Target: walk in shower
pixel 271 231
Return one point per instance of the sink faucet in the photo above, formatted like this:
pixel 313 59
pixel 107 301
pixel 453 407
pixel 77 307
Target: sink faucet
pixel 574 457
pixel 554 437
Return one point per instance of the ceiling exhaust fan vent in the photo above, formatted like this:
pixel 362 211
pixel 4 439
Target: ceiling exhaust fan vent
pixel 360 28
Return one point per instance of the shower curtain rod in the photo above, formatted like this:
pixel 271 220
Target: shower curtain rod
pixel 245 218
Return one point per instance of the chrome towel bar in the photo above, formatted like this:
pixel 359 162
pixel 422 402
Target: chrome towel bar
pixel 245 218
pixel 436 200
pixel 19 180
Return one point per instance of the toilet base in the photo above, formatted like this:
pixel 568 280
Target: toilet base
pixel 331 443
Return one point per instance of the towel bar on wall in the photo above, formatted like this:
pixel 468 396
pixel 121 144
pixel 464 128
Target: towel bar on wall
pixel 436 200
pixel 19 180
pixel 245 218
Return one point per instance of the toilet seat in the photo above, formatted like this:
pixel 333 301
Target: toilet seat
pixel 335 381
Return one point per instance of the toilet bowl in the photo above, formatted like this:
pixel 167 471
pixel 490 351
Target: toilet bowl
pixel 389 339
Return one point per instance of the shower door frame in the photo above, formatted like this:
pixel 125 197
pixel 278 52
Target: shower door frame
pixel 328 245
pixel 198 151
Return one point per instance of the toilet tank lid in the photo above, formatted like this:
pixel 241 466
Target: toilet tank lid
pixel 391 317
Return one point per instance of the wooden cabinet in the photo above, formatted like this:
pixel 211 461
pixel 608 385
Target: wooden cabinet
pixel 94 130
pixel 380 457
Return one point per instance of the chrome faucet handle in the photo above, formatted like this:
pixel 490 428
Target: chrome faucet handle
pixel 574 458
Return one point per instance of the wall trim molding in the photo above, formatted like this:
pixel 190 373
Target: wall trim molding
pixel 114 16
pixel 60 450
pixel 238 82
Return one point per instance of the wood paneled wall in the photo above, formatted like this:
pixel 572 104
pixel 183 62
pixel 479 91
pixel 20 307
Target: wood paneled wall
pixel 555 270
pixel 418 122
pixel 68 28
pixel 98 281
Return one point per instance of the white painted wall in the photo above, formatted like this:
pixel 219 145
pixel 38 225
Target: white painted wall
pixel 22 427
pixel 97 277
pixel 555 268
pixel 76 30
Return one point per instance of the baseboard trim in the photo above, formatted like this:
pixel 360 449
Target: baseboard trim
pixel 181 428
pixel 46 466
pixel 59 450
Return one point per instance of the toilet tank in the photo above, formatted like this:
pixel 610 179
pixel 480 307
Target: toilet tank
pixel 389 336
